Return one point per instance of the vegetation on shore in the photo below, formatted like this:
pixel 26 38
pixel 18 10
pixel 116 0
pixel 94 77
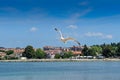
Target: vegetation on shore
pixel 8 53
pixel 106 50
pixel 31 53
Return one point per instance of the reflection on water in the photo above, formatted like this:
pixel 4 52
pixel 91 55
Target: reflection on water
pixel 99 70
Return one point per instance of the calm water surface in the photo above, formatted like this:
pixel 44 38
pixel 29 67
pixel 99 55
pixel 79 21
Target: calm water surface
pixel 98 70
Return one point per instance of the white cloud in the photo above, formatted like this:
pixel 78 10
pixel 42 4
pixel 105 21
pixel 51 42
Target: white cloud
pixel 98 34
pixel 84 3
pixel 33 29
pixel 93 34
pixel 80 14
pixel 75 17
pixel 109 36
pixel 73 26
pixel 9 9
pixel 18 41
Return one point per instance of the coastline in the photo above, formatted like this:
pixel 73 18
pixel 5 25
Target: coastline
pixel 60 60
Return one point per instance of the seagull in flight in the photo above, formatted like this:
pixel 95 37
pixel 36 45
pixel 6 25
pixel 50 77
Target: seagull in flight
pixel 65 39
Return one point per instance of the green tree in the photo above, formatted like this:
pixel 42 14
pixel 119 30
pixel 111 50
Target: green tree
pixel 91 52
pixel 96 50
pixel 107 51
pixel 29 52
pixel 114 51
pixel 40 54
pixel 118 51
pixel 118 44
pixel 85 50
pixel 57 56
pixel 2 51
pixel 67 54
pixel 113 44
pixel 9 52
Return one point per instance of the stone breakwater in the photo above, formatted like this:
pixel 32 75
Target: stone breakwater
pixel 59 60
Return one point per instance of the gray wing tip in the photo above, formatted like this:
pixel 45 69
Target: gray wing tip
pixel 56 29
pixel 78 42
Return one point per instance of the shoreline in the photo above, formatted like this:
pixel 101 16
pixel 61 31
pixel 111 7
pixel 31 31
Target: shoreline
pixel 60 60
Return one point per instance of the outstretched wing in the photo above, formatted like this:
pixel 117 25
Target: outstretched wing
pixel 59 32
pixel 67 39
pixel 77 42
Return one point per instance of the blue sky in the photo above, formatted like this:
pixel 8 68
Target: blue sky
pixel 32 22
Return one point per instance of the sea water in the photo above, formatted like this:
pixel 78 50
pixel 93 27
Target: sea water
pixel 96 70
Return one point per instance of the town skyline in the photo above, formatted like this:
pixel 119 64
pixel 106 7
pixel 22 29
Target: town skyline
pixel 32 22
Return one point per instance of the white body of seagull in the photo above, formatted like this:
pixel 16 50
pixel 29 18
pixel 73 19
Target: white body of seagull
pixel 65 39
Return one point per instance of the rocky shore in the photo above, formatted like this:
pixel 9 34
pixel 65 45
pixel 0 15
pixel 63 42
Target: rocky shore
pixel 59 60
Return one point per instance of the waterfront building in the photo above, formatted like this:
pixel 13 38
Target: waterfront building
pixel 2 54
pixel 51 51
pixel 17 52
